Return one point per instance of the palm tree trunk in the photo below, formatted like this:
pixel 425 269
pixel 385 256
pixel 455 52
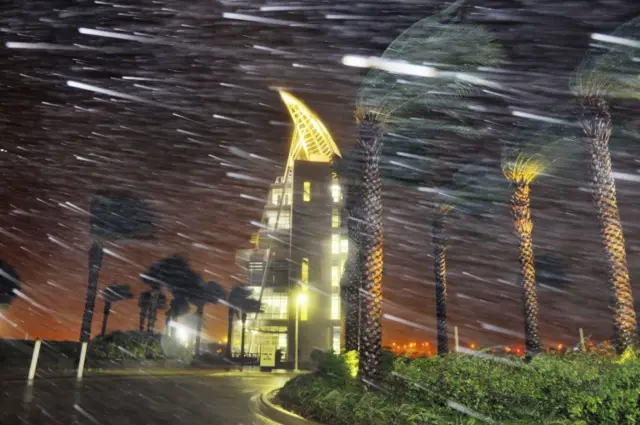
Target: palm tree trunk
pixel 105 318
pixel 153 311
pixel 440 268
pixel 244 321
pixel 370 144
pixel 521 211
pixel 143 318
pixel 351 284
pixel 200 314
pixel 596 124
pixel 231 315
pixel 95 262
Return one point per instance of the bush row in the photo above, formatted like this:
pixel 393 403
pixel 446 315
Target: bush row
pixel 581 389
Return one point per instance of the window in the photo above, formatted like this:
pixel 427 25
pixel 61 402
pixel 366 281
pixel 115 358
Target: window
pixel 335 276
pixel 274 305
pixel 336 193
pixel 344 245
pixel 335 218
pixel 335 243
pixel 284 219
pixel 336 339
pixel 304 270
pixel 275 196
pixel 306 193
pixel 335 306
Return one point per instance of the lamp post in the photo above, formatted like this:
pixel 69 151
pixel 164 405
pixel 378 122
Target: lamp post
pixel 301 299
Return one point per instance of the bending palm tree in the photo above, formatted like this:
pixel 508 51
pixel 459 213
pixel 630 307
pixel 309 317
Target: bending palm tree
pixel 115 215
pixel 144 302
pixel 237 295
pixel 521 172
pixel 601 76
pixel 112 294
pixel 208 293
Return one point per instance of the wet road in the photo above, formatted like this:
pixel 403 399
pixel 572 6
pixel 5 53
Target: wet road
pixel 223 399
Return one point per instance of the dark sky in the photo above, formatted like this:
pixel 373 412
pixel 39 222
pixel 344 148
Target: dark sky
pixel 204 126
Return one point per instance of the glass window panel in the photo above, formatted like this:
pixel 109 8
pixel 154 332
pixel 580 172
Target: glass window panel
pixel 335 306
pixel 335 276
pixel 336 339
pixel 335 218
pixel 344 245
pixel 335 243
pixel 306 194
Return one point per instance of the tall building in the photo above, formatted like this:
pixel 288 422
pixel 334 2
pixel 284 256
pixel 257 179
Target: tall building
pixel 300 248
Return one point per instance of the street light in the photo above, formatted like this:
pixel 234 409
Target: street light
pixel 300 300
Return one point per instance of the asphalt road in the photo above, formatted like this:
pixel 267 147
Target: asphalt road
pixel 218 399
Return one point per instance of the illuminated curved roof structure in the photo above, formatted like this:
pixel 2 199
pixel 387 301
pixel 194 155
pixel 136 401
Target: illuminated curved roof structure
pixel 311 141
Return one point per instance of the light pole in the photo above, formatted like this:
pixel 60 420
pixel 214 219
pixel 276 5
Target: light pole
pixel 301 299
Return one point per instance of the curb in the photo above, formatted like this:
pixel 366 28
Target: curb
pixel 278 414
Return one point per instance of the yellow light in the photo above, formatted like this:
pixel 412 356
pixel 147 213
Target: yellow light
pixel 301 299
pixel 473 346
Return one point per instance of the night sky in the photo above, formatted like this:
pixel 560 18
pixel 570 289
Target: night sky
pixel 193 122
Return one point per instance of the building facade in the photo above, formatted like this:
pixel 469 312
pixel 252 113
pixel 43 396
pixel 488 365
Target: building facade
pixel 299 250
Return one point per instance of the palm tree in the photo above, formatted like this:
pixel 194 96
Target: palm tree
pixel 440 269
pixel 112 294
pixel 174 273
pixel 237 295
pixel 369 145
pixel 9 283
pixel 384 98
pixel 150 310
pixel 209 293
pixel 144 302
pixel 115 215
pixel 521 172
pixel 179 306
pixel 601 76
pixel 248 306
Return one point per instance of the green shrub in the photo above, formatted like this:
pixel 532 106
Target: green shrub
pixel 581 388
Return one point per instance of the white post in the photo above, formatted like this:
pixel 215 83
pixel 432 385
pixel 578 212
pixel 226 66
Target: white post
pixel 295 354
pixel 34 361
pixel 457 340
pixel 582 346
pixel 83 356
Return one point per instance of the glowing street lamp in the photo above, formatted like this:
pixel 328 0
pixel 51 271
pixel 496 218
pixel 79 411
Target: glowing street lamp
pixel 300 300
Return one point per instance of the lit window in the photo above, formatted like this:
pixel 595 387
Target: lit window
pixel 275 196
pixel 344 245
pixel 336 193
pixel 335 275
pixel 304 270
pixel 306 194
pixel 335 243
pixel 335 218
pixel 335 306
pixel 336 339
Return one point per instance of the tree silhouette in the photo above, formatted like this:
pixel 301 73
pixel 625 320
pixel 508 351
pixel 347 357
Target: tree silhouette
pixel 9 282
pixel 144 302
pixel 240 303
pixel 178 307
pixel 115 215
pixel 112 294
pixel 208 293
pixel 173 273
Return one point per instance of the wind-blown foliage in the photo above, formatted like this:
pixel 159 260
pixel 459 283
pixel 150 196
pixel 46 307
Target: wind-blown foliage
pixel 115 215
pixel 112 294
pixel 208 293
